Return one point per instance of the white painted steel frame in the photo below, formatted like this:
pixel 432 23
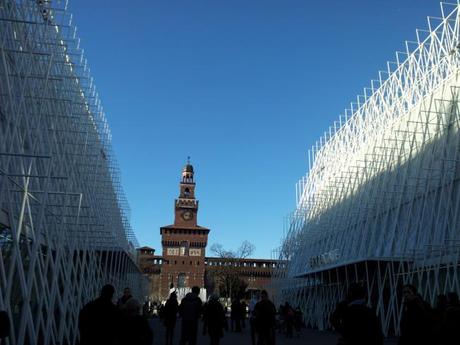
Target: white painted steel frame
pixel 383 187
pixel 64 220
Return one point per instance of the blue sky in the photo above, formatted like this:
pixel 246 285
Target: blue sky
pixel 243 87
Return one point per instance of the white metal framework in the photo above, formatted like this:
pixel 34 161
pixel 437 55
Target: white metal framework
pixel 64 220
pixel 381 202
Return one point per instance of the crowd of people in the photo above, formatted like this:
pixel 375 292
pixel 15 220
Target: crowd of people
pixel 262 316
pixel 424 325
pixel 103 322
pixel 106 323
pixel 420 324
pixel 290 320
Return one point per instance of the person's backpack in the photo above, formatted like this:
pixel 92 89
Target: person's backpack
pixel 4 325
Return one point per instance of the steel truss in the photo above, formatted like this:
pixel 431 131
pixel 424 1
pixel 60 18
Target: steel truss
pixel 64 220
pixel 381 201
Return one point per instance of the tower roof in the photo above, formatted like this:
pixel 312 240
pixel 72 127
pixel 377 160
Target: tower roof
pixel 188 167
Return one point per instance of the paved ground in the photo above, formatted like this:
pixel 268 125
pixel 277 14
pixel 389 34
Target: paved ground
pixel 307 337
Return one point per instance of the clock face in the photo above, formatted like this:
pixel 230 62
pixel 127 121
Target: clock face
pixel 187 215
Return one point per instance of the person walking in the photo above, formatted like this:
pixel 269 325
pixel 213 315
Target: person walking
pixel 235 315
pixel 336 318
pixel 190 312
pixel 289 320
pixel 298 321
pixel 358 324
pixel 146 309
pixel 252 316
pixel 136 329
pixel 214 320
pixel 281 320
pixel 99 321
pixel 416 322
pixel 170 316
pixel 244 314
pixel 124 298
pixel 265 320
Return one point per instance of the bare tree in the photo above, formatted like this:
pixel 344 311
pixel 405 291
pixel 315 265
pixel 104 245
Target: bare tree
pixel 226 277
pixel 245 250
pixel 220 252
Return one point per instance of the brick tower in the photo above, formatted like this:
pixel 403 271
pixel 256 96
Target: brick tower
pixel 184 242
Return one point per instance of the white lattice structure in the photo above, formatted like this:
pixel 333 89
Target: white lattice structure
pixel 64 220
pixel 381 202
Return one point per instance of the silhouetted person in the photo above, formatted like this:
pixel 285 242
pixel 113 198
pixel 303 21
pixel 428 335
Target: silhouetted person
pixel 235 315
pixel 170 316
pixel 252 316
pixel 190 311
pixel 450 328
pixel 135 328
pixel 124 298
pixel 146 309
pixel 244 307
pixel 416 319
pixel 214 320
pixel 289 320
pixel 161 311
pixel 100 320
pixel 298 321
pixel 265 320
pixel 4 326
pixel 357 323
pixel 281 319
pixel 336 318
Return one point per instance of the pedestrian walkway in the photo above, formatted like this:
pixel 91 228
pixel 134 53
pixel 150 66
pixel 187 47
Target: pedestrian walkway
pixel 308 337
